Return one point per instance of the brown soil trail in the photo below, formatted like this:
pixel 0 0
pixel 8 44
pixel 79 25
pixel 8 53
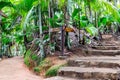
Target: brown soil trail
pixel 14 69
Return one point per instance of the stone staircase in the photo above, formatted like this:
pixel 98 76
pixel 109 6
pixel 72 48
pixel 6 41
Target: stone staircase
pixel 98 63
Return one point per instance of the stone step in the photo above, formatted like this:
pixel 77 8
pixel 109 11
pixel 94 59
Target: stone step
pixel 91 52
pixel 89 73
pixel 107 36
pixel 101 62
pixel 110 43
pixel 106 47
pixel 60 78
pixel 65 78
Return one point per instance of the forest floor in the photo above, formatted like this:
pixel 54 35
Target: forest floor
pixel 15 69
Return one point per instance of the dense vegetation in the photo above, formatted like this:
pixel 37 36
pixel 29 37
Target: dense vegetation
pixel 37 28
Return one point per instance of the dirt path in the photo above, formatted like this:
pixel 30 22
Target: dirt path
pixel 14 69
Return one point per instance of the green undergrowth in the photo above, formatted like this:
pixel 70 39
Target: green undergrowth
pixel 27 58
pixel 37 69
pixel 48 68
pixel 45 67
pixel 30 59
pixel 52 71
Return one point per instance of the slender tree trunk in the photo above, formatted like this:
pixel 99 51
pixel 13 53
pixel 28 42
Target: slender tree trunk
pixel 115 3
pixel 62 40
pixel 0 41
pixel 66 35
pixel 96 20
pixel 85 10
pixel 25 40
pixel 49 15
pixel 79 29
pixel 52 9
pixel 90 12
pixel 41 45
pixel 1 38
pixel 67 18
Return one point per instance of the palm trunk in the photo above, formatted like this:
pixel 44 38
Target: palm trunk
pixel 62 41
pixel 85 11
pixel 90 12
pixel 1 39
pixel 41 45
pixel 52 10
pixel 96 20
pixel 115 2
pixel 49 15
pixel 79 29
pixel 67 18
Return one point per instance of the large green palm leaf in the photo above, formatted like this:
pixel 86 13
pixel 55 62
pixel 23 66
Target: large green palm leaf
pixel 105 7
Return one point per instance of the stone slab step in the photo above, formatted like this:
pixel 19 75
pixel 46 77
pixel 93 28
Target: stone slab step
pixel 60 78
pixel 106 47
pixel 109 43
pixel 107 36
pixel 89 73
pixel 91 52
pixel 65 78
pixel 101 62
